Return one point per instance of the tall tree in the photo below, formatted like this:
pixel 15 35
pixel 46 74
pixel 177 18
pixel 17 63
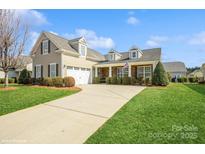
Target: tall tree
pixel 13 36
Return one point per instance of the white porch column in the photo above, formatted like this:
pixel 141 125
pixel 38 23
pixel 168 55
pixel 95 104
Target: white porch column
pixel 129 71
pixel 110 71
pixel 96 72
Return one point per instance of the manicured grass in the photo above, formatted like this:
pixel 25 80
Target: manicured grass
pixel 27 96
pixel 173 114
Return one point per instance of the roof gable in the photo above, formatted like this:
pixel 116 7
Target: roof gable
pixel 66 45
pixel 174 67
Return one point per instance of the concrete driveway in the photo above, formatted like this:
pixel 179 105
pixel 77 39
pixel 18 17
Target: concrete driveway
pixel 71 119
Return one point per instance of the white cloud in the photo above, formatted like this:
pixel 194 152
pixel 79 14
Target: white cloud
pixel 197 39
pixel 132 21
pixel 33 36
pixel 32 17
pixel 156 41
pixel 92 39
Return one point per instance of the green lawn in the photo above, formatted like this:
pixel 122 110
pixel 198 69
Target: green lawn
pixel 173 114
pixel 27 96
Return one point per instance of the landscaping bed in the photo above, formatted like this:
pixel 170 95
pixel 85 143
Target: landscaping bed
pixel 172 114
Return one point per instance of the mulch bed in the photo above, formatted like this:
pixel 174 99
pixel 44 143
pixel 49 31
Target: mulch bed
pixel 7 88
pixel 59 88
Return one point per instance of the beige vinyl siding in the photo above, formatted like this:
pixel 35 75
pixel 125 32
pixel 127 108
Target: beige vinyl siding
pixel 45 60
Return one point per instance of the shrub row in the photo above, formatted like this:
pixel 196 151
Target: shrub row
pixel 184 79
pixel 57 81
pixel 10 80
pixel 124 81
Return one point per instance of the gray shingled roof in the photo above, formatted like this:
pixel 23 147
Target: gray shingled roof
pixel 94 55
pixel 174 67
pixel 63 43
pixel 59 41
pixel 147 55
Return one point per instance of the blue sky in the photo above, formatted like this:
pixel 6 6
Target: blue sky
pixel 180 33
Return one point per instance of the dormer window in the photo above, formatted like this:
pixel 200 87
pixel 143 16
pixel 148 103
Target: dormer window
pixel 82 50
pixel 45 47
pixel 112 57
pixel 134 55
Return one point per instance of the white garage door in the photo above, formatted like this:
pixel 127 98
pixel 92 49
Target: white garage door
pixel 81 75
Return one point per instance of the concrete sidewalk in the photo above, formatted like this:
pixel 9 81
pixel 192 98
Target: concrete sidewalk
pixel 71 119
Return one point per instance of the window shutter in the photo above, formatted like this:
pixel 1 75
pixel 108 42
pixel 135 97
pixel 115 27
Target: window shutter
pixel 56 69
pixel 41 71
pixel 49 48
pixel 35 72
pixel 41 47
pixel 49 70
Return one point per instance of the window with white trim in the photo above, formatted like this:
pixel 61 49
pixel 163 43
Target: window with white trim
pixel 82 50
pixel 38 71
pixel 144 72
pixel 111 56
pixel 134 55
pixel 122 72
pixel 45 46
pixel 53 70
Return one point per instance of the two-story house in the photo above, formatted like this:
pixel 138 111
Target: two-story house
pixel 54 56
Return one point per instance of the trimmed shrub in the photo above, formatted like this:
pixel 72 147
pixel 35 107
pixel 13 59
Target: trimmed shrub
pixel 38 81
pixel 25 77
pixel 119 80
pixel 1 80
pixel 190 79
pixel 113 80
pixel 140 81
pixel 179 80
pixel 184 79
pixel 147 81
pixel 126 80
pixel 201 82
pixel 96 80
pixel 11 80
pixel 173 79
pixel 69 81
pixel 48 82
pixel 57 81
pixel 108 80
pixel 160 76
pixel 133 81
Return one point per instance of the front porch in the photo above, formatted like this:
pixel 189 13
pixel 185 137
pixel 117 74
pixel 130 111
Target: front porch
pixel 137 71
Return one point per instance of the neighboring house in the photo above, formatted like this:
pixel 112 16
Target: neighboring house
pixel 196 74
pixel 2 75
pixel 175 69
pixel 25 62
pixel 203 69
pixel 54 56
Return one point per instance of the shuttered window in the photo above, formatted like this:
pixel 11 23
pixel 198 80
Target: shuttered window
pixel 38 71
pixel 53 70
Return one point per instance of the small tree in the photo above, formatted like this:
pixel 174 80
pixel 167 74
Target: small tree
pixel 24 77
pixel 13 35
pixel 160 76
